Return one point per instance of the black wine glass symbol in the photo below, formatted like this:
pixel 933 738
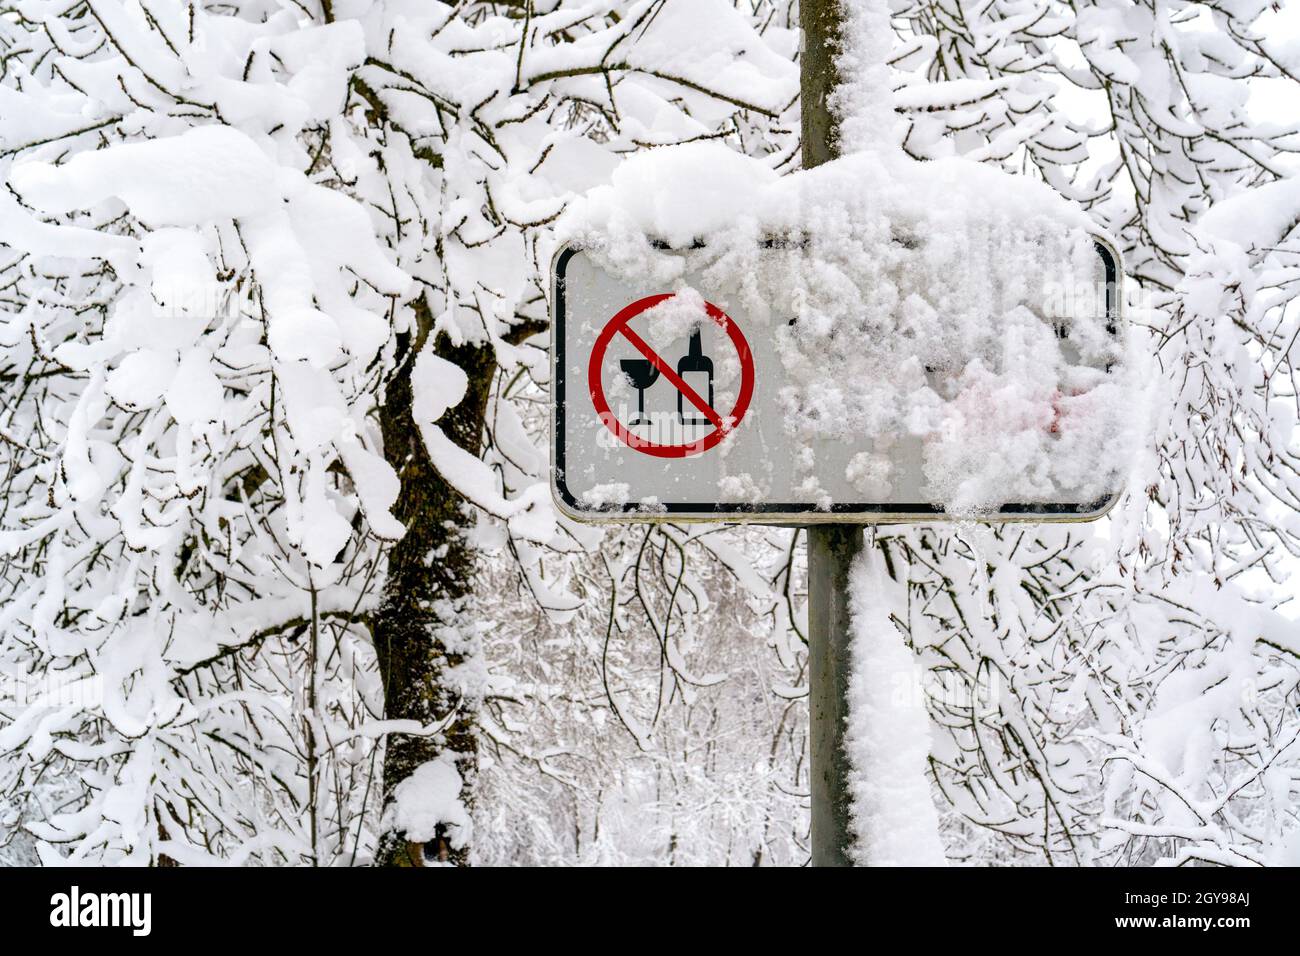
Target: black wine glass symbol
pixel 642 373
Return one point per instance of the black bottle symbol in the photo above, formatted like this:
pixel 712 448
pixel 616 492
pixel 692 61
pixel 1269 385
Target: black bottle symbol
pixel 695 361
pixel 642 374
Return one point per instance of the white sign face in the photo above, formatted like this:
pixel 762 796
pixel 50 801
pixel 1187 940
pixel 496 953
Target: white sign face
pixel 666 405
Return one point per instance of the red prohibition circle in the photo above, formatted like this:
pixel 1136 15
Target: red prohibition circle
pixel 619 324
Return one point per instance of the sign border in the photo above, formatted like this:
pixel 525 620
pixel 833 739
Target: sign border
pixel 790 513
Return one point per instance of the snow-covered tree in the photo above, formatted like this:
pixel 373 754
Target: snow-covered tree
pixel 280 581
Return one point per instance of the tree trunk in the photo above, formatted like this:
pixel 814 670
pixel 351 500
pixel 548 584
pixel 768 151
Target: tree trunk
pixel 423 626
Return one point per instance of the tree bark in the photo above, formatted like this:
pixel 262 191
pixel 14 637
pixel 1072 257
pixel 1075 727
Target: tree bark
pixel 422 628
pixel 821 23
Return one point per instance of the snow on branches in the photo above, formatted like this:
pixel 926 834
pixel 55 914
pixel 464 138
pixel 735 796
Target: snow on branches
pixel 224 226
pixel 226 229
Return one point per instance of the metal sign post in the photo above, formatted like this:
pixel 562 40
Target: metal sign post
pixel 831 551
pixel 831 548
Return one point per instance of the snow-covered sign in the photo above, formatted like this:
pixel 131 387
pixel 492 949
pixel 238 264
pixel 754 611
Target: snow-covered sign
pixel 666 404
pixel 850 367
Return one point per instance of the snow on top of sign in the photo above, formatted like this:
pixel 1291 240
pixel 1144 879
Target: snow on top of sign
pixel 674 195
pixel 676 317
pixel 904 298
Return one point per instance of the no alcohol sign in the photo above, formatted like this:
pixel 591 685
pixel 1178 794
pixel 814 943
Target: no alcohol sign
pixel 670 403
pixel 691 377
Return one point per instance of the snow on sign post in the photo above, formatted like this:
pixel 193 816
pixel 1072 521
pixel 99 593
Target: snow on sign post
pixel 708 381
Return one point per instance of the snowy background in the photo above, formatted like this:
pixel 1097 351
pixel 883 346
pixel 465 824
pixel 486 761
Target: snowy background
pixel 270 271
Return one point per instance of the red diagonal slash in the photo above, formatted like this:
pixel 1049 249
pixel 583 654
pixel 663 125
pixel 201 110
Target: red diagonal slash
pixel 677 381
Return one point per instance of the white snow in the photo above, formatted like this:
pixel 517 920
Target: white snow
pixel 437 386
pixel 205 173
pixel 863 103
pixel 1262 216
pixel 195 394
pixel 887 739
pixel 674 195
pixel 675 317
pixel 609 493
pixel 430 798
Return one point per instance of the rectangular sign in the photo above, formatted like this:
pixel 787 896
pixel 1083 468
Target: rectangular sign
pixel 669 405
